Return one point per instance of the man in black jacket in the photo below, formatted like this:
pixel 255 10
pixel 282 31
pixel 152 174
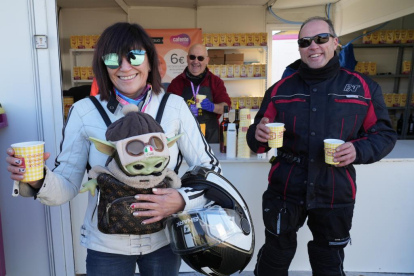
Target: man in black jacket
pixel 319 101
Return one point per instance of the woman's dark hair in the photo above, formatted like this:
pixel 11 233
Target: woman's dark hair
pixel 121 38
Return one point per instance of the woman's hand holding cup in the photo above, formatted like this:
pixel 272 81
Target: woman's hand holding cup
pixel 17 168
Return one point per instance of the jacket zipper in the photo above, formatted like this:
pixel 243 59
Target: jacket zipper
pixel 333 186
pixel 289 101
pixel 355 101
pixel 352 184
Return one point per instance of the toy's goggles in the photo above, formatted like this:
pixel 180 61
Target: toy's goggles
pixel 138 147
pixel 134 57
pixel 319 39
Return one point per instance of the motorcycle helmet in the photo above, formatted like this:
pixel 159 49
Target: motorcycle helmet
pixel 217 239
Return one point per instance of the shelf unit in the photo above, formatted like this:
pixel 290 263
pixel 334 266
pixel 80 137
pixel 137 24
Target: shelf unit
pixel 74 53
pixel 407 109
pixel 261 49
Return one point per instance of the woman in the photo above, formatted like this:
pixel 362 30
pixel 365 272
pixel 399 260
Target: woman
pixel 126 68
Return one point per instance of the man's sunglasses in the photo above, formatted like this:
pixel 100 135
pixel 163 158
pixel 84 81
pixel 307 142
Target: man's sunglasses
pixel 137 147
pixel 134 57
pixel 193 57
pixel 319 39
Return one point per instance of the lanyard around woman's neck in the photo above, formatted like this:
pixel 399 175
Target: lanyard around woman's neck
pixel 141 101
pixel 196 91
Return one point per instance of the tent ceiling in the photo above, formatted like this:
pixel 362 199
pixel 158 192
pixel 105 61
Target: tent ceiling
pixel 157 3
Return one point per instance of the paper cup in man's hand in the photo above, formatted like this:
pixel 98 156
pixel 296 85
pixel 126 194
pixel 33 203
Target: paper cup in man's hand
pixel 31 154
pixel 330 146
pixel 276 134
pixel 199 99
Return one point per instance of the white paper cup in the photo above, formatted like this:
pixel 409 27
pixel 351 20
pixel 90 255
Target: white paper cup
pixel 199 99
pixel 330 146
pixel 276 134
pixel 31 154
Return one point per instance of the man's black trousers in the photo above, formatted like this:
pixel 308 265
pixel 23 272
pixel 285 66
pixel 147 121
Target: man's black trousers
pixel 330 229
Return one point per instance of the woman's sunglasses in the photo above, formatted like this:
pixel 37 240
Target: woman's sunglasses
pixel 319 39
pixel 137 147
pixel 193 57
pixel 134 57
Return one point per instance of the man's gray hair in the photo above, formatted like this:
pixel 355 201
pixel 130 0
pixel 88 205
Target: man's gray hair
pixel 320 18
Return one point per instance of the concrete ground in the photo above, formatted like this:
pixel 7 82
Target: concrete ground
pixel 308 273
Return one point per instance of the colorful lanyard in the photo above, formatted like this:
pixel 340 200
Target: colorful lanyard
pixel 125 100
pixel 195 92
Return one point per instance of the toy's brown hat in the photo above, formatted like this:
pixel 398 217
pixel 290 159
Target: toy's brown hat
pixel 133 124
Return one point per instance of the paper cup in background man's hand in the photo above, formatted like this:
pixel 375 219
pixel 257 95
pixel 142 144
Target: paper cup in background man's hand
pixel 330 146
pixel 31 154
pixel 276 134
pixel 199 99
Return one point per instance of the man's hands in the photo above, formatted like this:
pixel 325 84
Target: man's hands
pixel 163 203
pixel 262 131
pixel 345 154
pixel 207 105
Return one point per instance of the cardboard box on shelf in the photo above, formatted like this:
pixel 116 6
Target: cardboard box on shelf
pixel 237 70
pixel 74 42
pixel 222 39
pixel 234 58
pixel 216 56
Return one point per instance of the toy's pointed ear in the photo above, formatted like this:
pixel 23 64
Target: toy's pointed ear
pixel 103 146
pixel 171 141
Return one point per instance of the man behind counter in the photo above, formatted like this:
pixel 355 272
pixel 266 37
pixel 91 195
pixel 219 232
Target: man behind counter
pixel 197 79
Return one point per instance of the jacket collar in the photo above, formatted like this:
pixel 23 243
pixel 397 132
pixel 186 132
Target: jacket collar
pixel 112 103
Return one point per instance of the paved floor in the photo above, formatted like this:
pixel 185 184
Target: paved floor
pixel 308 273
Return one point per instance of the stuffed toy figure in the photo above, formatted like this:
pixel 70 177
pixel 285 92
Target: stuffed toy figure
pixel 138 158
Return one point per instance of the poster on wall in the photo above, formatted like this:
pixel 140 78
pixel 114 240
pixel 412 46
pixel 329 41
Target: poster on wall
pixel 172 47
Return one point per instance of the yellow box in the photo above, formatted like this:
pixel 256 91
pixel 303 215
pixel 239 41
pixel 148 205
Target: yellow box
pixel 230 70
pixel 95 39
pixel 203 39
pixel 259 101
pixel 243 70
pixel 208 39
pixel 250 70
pixel 236 39
pixel 222 39
pixel 410 36
pixel 243 39
pixel 406 67
pixel 382 37
pixel 372 68
pixel 397 100
pixel 404 34
pixel 255 103
pixel 375 37
pixel 223 71
pixel 263 39
pixel 389 99
pixel 249 39
pixel 76 73
pixel 367 39
pixel 237 70
pixel 263 70
pixel 91 75
pixel 257 70
pixel 215 39
pixel 248 102
pixel 67 104
pixel 84 73
pixel 234 102
pixel 216 70
pixel 403 99
pixel 397 36
pixel 230 39
pixel 74 42
pixel 256 38
pixel 365 68
pixel 81 41
pixel 358 67
pixel 390 36
pixel 88 42
pixel 242 102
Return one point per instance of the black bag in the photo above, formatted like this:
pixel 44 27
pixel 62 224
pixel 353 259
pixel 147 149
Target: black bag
pixel 115 215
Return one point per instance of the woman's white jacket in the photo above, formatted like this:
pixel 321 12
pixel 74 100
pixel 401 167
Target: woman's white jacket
pixel 84 121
